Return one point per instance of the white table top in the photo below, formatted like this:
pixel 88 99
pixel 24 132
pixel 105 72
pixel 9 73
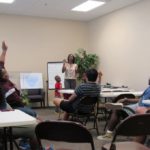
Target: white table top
pixel 109 93
pixel 115 94
pixel 115 90
pixel 15 118
pixel 67 91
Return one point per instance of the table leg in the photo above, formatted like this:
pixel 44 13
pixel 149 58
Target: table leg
pixel 5 138
pixel 10 138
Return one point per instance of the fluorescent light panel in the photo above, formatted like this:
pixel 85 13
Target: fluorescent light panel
pixel 7 1
pixel 88 5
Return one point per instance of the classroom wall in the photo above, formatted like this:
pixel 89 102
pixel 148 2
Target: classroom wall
pixel 122 41
pixel 34 41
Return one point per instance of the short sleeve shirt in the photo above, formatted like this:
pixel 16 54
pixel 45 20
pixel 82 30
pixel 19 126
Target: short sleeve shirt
pixel 145 96
pixel 58 86
pixel 70 72
pixel 12 95
pixel 86 89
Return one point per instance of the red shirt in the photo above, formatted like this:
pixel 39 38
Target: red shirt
pixel 58 86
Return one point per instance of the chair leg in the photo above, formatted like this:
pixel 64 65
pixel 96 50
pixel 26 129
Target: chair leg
pixel 18 148
pixel 41 104
pixel 96 126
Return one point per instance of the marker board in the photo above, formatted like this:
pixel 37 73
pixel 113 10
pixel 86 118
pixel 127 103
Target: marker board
pixel 53 69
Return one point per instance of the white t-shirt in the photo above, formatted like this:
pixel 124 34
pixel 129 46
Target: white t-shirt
pixel 70 72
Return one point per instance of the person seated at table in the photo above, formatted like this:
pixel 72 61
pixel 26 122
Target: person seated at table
pixel 90 88
pixel 12 94
pixel 140 107
pixel 26 132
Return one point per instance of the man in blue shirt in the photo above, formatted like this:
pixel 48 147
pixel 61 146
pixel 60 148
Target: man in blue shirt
pixel 140 106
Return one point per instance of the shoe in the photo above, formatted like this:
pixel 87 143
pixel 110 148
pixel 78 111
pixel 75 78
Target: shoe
pixel 114 106
pixel 106 137
pixel 50 147
pixel 24 144
pixel 58 110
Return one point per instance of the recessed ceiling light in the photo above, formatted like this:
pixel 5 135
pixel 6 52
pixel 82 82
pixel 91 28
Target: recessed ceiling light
pixel 88 5
pixel 7 1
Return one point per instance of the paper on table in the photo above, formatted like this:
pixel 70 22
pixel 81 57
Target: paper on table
pixel 114 106
pixel 146 101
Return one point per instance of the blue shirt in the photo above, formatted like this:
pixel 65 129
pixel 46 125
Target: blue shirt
pixel 145 96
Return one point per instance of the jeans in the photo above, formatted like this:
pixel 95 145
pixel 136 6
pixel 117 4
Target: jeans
pixel 28 111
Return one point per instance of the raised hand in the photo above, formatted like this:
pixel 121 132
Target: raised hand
pixel 64 61
pixel 4 46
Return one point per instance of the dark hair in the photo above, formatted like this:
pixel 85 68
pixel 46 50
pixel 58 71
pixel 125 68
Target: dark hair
pixel 56 77
pixel 73 58
pixel 1 95
pixel 1 74
pixel 91 74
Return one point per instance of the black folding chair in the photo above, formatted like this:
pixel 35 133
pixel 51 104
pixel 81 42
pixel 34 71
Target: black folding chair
pixel 125 114
pixel 66 131
pixel 135 125
pixel 122 96
pixel 86 111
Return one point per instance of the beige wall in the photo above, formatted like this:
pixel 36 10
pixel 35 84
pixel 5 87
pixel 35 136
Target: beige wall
pixel 35 41
pixel 122 41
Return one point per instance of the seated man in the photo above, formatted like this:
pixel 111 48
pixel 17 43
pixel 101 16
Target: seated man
pixel 12 94
pixel 139 107
pixel 90 88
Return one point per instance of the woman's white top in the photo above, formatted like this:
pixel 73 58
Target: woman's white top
pixel 70 72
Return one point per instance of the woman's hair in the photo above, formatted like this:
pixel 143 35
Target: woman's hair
pixel 73 61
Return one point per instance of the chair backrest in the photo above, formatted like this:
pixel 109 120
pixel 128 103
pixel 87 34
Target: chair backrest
pixel 34 91
pixel 66 131
pixel 135 125
pixel 86 105
pixel 121 96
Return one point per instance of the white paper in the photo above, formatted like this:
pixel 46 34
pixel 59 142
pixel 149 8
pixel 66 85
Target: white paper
pixel 31 81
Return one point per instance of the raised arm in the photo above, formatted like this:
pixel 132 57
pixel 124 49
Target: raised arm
pixel 64 66
pixel 99 77
pixel 76 69
pixel 4 50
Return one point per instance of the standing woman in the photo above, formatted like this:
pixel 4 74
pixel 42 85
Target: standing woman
pixel 70 70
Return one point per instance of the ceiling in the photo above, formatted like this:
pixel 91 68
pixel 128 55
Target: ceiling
pixel 61 8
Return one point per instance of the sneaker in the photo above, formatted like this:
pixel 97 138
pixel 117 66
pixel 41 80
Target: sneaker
pixel 50 147
pixel 24 144
pixel 57 110
pixel 114 106
pixel 107 137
